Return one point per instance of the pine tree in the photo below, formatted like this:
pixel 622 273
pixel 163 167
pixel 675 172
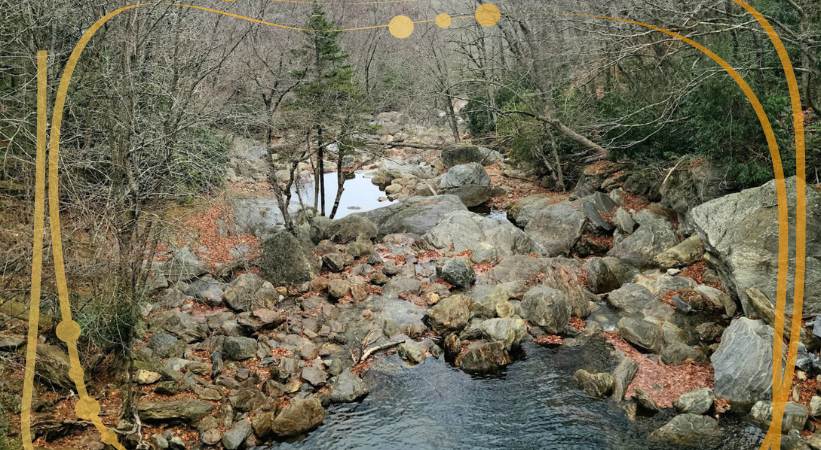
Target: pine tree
pixel 329 95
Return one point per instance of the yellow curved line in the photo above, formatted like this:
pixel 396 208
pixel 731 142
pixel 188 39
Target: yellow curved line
pixel 37 245
pixel 68 330
pixel 781 391
pixel 780 387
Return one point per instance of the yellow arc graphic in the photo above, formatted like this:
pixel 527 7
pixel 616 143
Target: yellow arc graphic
pixel 487 14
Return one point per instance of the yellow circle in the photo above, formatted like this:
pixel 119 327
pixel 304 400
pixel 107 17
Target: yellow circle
pixel 401 27
pixel 488 14
pixel 443 20
pixel 68 331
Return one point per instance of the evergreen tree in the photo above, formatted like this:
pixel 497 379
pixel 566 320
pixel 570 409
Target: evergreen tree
pixel 329 97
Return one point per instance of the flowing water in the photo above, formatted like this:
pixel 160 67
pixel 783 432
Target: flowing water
pixel 533 404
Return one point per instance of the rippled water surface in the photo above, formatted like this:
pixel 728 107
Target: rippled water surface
pixel 533 405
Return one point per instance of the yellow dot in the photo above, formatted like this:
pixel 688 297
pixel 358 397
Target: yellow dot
pixel 87 408
pixel 488 14
pixel 443 20
pixel 68 331
pixel 401 27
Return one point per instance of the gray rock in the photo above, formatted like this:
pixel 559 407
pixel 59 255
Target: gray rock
pixel 184 265
pixel 600 279
pixel 698 401
pixel 743 362
pixel 207 290
pixel 53 366
pixel 469 182
pixel 338 288
pixel 186 410
pixel 412 351
pixel 415 215
pixel 509 331
pixel 547 308
pixel 740 232
pixel 287 260
pixel 594 384
pixel 556 228
pixel 631 298
pixel 458 272
pixel 235 437
pixel 10 342
pixel 348 387
pixel 684 253
pixel 165 345
pixel 624 221
pixel 690 183
pixel 641 333
pixel 337 261
pixel 623 375
pixel 457 154
pixel 351 228
pixel 815 406
pixel 300 416
pixel 314 375
pixel 526 209
pixel 248 292
pixel 487 240
pixel 795 415
pixel 450 314
pixel 688 429
pixel 483 357
pixel 238 348
pixel 398 316
pixel 654 235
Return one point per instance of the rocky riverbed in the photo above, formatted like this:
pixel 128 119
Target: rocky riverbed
pixel 608 318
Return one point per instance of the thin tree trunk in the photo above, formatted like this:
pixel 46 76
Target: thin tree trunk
pixel 321 168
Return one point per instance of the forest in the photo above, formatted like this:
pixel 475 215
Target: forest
pixel 526 223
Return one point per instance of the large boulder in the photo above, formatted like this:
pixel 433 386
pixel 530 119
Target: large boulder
pixel 698 401
pixel 249 292
pixel 299 416
pixel 486 239
pixel 416 215
pixel 348 387
pixel 688 429
pixel 483 357
pixel 398 316
pixel 182 410
pixel 458 272
pixel 450 314
pixel 692 182
pixel 454 155
pixel 509 331
pixel 654 235
pixel 527 208
pixel 287 260
pixel 740 231
pixel 795 415
pixel 594 384
pixel 469 182
pixel 547 308
pixel 743 362
pixel 641 333
pixel 351 228
pixel 557 227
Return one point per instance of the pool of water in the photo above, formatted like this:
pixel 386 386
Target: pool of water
pixel 261 216
pixel 359 195
pixel 533 404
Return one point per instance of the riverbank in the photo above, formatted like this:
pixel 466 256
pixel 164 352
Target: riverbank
pixel 598 314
